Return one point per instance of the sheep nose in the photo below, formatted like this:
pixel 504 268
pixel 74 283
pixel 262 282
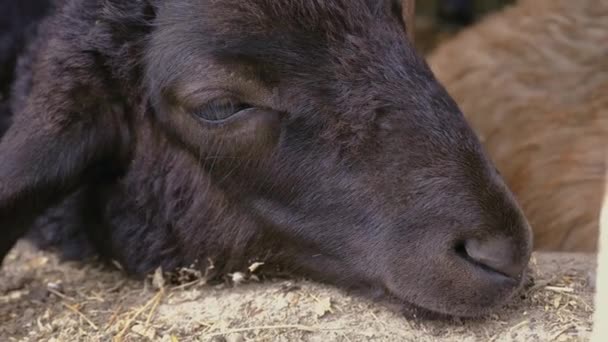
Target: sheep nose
pixel 497 254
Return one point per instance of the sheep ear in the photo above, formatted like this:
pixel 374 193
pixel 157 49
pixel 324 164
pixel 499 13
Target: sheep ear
pixel 68 129
pixel 409 17
pixel 42 162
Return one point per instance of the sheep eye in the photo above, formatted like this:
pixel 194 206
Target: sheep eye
pixel 220 109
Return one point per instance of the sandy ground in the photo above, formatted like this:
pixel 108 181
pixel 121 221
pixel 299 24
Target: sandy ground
pixel 42 299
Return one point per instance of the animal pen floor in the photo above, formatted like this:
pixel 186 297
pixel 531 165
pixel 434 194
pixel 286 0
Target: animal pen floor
pixel 44 300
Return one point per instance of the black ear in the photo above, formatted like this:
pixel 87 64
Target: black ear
pixel 71 122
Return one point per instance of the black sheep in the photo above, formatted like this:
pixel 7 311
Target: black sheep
pixel 309 135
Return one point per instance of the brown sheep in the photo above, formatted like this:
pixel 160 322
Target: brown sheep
pixel 533 82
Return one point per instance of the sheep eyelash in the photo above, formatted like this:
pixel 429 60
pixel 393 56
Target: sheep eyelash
pixel 220 109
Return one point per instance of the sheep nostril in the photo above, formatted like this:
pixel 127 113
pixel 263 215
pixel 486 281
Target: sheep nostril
pixel 496 254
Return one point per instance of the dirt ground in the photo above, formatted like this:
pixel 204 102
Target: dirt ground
pixel 42 299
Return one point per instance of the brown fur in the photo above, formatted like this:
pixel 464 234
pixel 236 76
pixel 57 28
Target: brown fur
pixel 533 82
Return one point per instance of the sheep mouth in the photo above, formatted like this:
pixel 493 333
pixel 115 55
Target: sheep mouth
pixel 433 310
pixel 412 310
pixel 415 311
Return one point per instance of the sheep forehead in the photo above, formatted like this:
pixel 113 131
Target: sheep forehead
pixel 303 14
pixel 293 39
pixel 303 23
